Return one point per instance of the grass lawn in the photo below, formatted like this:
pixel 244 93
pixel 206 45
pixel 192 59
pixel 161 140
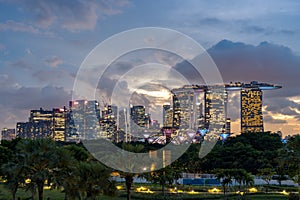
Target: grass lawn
pixel 157 195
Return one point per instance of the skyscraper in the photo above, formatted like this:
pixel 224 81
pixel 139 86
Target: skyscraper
pixel 41 123
pixel 167 116
pixel 251 104
pixel 108 122
pixel 139 120
pixel 59 120
pixel 228 125
pixel 186 107
pixel 85 120
pixel 251 110
pixel 215 108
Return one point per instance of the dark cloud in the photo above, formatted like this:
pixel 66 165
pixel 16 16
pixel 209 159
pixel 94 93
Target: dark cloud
pixel 34 97
pixel 265 62
pixel 274 104
pixel 271 120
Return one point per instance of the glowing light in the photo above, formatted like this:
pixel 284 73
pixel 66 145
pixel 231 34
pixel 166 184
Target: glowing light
pixel 144 190
pixel 284 192
pixel 214 190
pixel 119 187
pixel 253 190
pixel 238 192
pixel 192 192
pixel 115 174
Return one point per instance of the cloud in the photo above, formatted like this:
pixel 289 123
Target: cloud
pixel 28 51
pixel 271 120
pixel 11 25
pixel 71 15
pixel 34 97
pixel 265 62
pixel 54 61
pixel 21 64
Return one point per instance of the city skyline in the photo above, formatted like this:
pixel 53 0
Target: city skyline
pixel 197 108
pixel 43 44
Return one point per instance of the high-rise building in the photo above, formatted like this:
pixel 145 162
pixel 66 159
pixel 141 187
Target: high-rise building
pixel 166 108
pixel 44 124
pixel 40 124
pixel 108 122
pixel 23 130
pixel 167 116
pixel 8 134
pixel 186 107
pixel 123 126
pixel 251 103
pixel 59 120
pixel 228 126
pixel 139 120
pixel 215 108
pixel 251 110
pixel 85 120
pixel 137 115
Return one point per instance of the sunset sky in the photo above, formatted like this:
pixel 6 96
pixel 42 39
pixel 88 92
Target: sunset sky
pixel 43 43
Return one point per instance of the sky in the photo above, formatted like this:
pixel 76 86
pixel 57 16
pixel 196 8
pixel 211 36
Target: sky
pixel 43 44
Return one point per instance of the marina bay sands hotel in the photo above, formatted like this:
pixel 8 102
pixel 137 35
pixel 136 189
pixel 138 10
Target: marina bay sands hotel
pixel 205 107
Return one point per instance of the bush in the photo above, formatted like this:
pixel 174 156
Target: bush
pixel 293 196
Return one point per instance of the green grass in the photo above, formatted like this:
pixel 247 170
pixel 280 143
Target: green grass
pixel 52 194
pixel 121 195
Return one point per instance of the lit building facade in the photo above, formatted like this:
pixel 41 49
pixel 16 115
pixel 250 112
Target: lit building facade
pixel 108 124
pixel 59 120
pixel 228 125
pixel 215 99
pixel 187 107
pixel 84 120
pixel 167 115
pixel 40 124
pixel 8 134
pixel 44 124
pixel 251 110
pixel 251 103
pixel 139 121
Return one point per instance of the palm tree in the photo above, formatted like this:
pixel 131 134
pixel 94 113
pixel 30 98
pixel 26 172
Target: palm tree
pixel 164 176
pixel 225 177
pixel 267 175
pixel 14 176
pixel 129 176
pixel 40 159
pixel 294 158
pixel 93 179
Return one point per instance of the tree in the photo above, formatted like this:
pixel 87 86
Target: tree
pixel 267 175
pixel 40 159
pixel 129 176
pixel 225 177
pixel 293 146
pixel 14 176
pixel 164 176
pixel 93 178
